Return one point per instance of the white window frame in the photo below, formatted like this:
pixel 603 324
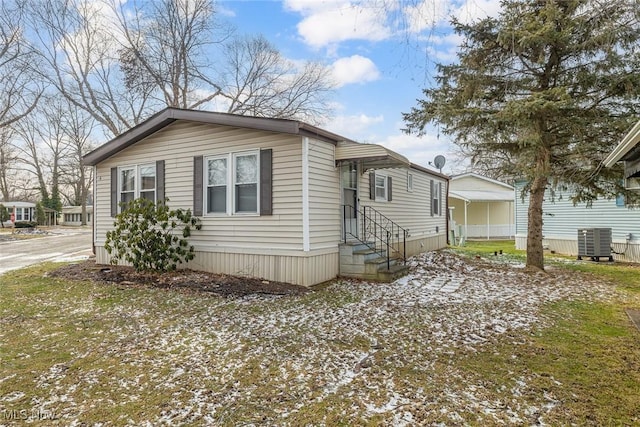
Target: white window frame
pixel 137 181
pixel 409 182
pixel 385 179
pixel 231 183
pixel 155 181
pixel 257 183
pixel 435 199
pixel 205 186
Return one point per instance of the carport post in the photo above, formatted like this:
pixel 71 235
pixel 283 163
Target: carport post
pixel 488 222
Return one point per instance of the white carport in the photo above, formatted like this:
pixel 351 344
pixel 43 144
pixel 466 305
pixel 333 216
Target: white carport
pixel 483 207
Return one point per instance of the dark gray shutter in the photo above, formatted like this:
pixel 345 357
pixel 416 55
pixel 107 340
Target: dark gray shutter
pixel 372 185
pixel 431 196
pixel 160 181
pixel 266 182
pixel 197 185
pixel 389 188
pixel 114 192
pixel 440 201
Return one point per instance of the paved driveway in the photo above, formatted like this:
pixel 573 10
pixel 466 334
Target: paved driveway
pixel 61 245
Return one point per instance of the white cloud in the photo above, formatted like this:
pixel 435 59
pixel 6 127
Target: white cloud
pixel 356 127
pixel 224 11
pixel 354 69
pixel 331 22
pixel 426 14
pixel 431 13
pixel 444 49
pixel 473 10
pixel 420 149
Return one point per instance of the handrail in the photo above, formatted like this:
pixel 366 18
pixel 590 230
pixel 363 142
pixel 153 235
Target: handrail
pixel 375 230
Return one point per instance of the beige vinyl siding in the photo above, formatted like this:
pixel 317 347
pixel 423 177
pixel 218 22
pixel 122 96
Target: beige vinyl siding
pixel 301 268
pixel 411 210
pixel 501 218
pixel 474 183
pixel 324 196
pixel 177 144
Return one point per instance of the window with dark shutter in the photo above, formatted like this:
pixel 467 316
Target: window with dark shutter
pixel 266 182
pixel 114 192
pixel 160 181
pixel 431 190
pixel 197 185
pixel 389 198
pixel 372 185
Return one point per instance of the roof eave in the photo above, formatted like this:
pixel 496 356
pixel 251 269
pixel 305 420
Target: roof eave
pixel 630 140
pixel 170 115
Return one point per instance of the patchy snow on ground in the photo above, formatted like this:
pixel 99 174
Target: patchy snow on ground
pixel 354 351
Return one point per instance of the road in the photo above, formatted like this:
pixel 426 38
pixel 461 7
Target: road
pixel 64 245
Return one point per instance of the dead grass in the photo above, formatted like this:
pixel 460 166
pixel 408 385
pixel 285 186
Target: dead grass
pixel 460 341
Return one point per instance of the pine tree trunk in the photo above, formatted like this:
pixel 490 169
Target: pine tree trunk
pixel 535 256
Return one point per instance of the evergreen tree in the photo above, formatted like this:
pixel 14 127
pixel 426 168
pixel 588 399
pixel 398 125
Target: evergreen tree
pixel 551 85
pixel 4 215
pixel 40 215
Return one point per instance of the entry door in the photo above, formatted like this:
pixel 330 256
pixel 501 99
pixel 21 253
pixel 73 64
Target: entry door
pixel 349 178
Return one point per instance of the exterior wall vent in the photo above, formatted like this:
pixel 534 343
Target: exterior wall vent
pixel 594 243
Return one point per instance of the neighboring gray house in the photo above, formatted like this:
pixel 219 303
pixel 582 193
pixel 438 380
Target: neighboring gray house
pixel 562 220
pixel 278 199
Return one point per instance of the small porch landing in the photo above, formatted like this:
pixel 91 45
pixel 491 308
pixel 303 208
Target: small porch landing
pixel 358 260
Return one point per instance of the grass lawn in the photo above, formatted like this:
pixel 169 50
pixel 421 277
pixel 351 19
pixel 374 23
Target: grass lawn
pixel 460 340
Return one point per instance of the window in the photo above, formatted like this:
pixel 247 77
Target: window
pixel 217 172
pixel 127 185
pixel 148 182
pixel 436 198
pixel 381 187
pixel 18 214
pixel 231 183
pixel 409 181
pixel 137 182
pixel 246 183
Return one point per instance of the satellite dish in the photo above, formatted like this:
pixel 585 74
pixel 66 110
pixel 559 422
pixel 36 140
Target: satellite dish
pixel 439 162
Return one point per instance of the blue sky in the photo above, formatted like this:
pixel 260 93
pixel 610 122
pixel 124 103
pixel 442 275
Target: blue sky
pixel 382 54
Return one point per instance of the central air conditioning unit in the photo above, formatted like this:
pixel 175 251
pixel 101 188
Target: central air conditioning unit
pixel 594 243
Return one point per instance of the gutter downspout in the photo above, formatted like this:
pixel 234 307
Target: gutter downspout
pixel 446 225
pixel 306 234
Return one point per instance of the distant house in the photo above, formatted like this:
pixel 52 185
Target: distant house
pixel 19 211
pixel 562 222
pixel 278 199
pixel 72 215
pixel 481 207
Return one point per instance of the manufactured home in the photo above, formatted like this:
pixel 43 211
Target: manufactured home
pixel 277 199
pixel 566 224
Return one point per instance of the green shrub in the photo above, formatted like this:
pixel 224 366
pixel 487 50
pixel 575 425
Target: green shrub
pixel 151 236
pixel 25 224
pixel 40 216
pixel 4 215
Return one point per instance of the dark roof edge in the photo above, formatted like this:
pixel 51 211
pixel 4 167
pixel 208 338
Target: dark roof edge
pixel 429 171
pixel 169 115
